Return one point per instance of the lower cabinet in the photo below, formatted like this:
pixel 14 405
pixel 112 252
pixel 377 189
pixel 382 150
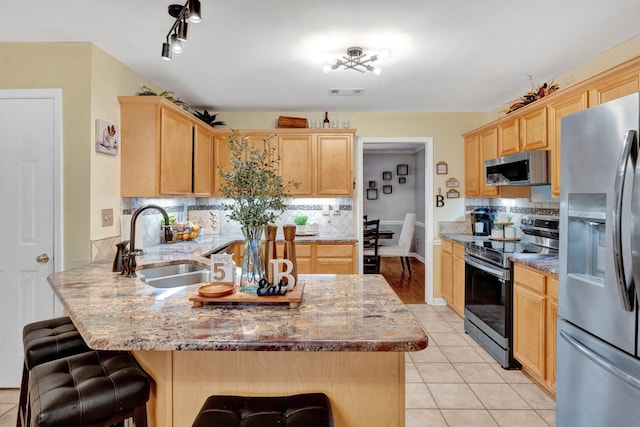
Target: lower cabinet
pixel 452 275
pixel 315 257
pixel 535 308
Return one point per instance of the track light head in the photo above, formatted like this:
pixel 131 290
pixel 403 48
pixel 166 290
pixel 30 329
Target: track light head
pixel 193 7
pixel 176 44
pixel 166 51
pixel 183 30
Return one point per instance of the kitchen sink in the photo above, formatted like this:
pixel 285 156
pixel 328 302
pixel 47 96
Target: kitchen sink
pixel 174 275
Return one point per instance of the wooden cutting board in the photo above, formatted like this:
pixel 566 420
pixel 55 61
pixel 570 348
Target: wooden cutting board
pixel 293 298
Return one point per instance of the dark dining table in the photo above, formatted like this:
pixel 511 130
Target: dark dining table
pixel 385 233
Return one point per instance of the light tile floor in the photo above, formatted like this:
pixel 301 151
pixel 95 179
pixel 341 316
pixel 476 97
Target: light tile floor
pixel 451 383
pixel 456 383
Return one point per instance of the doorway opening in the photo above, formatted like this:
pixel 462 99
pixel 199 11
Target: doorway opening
pixel 422 150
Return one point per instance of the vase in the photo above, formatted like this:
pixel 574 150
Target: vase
pixel 252 259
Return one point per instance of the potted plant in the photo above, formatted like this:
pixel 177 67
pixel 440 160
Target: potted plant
pixel 257 195
pixel 301 222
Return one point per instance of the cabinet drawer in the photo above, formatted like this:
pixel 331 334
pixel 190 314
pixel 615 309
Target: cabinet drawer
pixel 447 246
pixel 552 287
pixel 458 251
pixel 302 250
pixel 334 251
pixel 529 279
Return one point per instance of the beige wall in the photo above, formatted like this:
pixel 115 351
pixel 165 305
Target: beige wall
pixel 90 81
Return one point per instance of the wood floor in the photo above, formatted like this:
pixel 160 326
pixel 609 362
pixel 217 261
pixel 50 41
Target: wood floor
pixel 410 289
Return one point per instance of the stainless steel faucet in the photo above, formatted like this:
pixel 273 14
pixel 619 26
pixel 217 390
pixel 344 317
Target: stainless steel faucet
pixel 129 256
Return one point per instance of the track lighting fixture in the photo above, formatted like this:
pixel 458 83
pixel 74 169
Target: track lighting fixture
pixel 356 60
pixel 178 33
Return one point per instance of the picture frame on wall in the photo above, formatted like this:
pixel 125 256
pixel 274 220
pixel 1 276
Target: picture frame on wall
pixel 386 176
pixel 372 194
pixel 402 170
pixel 372 184
pixel 387 189
pixel 107 136
pixel 442 168
pixel 402 180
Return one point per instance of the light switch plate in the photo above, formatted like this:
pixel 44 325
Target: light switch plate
pixel 107 217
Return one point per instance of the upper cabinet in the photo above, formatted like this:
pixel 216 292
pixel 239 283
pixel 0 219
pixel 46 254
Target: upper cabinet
pixel 320 162
pixel 537 126
pixel 165 151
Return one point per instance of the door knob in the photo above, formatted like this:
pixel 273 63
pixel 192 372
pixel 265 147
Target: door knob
pixel 42 258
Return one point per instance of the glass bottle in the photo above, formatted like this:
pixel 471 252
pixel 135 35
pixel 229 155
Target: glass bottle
pixel 326 124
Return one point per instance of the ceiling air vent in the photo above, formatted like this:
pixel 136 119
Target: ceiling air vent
pixel 346 92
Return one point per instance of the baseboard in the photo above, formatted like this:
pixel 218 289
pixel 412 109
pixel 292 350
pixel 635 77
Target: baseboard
pixel 439 301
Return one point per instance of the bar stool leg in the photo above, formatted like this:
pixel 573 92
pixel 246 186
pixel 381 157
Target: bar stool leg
pixel 22 403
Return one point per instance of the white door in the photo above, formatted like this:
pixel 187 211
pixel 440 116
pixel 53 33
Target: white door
pixel 29 141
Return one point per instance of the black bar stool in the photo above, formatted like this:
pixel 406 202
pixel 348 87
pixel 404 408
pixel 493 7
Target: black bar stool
pixel 45 341
pixel 93 389
pixel 300 410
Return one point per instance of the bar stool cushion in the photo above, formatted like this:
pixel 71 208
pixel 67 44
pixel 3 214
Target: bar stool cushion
pixel 50 340
pixel 301 410
pixel 86 388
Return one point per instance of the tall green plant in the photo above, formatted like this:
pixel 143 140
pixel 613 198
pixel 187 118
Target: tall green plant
pixel 253 182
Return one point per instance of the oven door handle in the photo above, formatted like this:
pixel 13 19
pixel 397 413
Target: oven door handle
pixel 501 274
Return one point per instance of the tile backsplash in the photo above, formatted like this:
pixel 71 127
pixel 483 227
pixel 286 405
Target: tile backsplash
pixel 211 215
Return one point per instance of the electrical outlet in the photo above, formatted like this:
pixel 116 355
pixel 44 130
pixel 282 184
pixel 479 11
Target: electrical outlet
pixel 107 217
pixel 336 209
pixel 325 210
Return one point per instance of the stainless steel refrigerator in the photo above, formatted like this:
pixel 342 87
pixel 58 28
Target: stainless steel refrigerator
pixel 598 364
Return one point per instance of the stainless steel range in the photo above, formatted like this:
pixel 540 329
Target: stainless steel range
pixel 488 305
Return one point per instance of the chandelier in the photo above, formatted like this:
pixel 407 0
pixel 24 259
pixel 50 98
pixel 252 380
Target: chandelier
pixel 356 60
pixel 189 13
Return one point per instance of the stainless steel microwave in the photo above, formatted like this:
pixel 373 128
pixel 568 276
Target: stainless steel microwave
pixel 526 168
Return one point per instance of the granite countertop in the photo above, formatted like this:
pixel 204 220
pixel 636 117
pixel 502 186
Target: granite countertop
pixel 338 312
pixel 461 238
pixel 546 263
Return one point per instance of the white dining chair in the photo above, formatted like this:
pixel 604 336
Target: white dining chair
pixel 404 242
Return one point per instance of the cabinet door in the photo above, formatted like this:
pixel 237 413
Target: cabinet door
pixel 296 162
pixel 612 88
pixel 556 111
pixel 488 150
pixel 446 271
pixel 176 149
pixel 458 279
pixel 551 330
pixel 533 130
pixel 222 155
pixel 509 138
pixel 334 165
pixel 203 164
pixel 528 329
pixel 335 259
pixel 471 166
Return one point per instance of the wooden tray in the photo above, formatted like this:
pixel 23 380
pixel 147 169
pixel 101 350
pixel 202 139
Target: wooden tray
pixel 503 223
pixel 505 239
pixel 293 298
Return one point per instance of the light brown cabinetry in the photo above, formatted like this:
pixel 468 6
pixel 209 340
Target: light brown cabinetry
pixel 616 86
pixel 320 162
pixel 165 150
pixel 472 178
pixel 314 257
pixel 556 110
pixel 533 130
pixel 535 307
pixel 509 137
pixel 452 275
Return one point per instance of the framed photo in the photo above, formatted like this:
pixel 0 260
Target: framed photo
pixel 387 189
pixel 386 175
pixel 441 168
pixel 372 184
pixel 372 194
pixel 453 194
pixel 402 180
pixel 107 136
pixel 402 170
pixel 453 182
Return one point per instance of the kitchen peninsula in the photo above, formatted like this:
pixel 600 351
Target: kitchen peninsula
pixel 347 339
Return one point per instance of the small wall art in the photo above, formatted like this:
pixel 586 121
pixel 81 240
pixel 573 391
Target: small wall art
pixel 453 194
pixel 402 180
pixel 441 168
pixel 402 170
pixel 372 184
pixel 107 136
pixel 372 194
pixel 386 175
pixel 387 189
pixel 452 182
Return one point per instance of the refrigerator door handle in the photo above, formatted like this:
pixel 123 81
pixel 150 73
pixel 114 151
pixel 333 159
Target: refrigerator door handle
pixel 635 217
pixel 599 359
pixel 616 229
